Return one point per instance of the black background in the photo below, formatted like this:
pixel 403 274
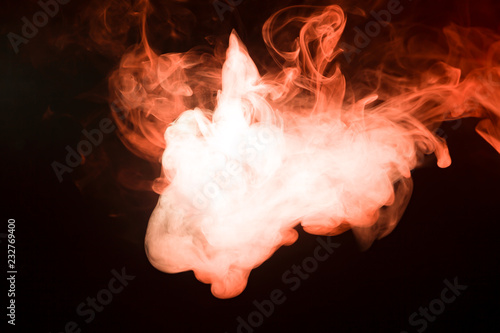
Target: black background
pixel 70 235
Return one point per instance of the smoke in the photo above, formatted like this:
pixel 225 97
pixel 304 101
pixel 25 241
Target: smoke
pixel 247 156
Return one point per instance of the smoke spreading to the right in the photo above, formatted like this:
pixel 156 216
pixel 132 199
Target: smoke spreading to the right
pixel 320 131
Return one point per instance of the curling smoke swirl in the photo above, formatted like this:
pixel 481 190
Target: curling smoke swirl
pixel 247 157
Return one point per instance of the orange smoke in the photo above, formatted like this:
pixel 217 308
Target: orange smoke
pixel 247 156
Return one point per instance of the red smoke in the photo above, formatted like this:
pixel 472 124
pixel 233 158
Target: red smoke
pixel 247 155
